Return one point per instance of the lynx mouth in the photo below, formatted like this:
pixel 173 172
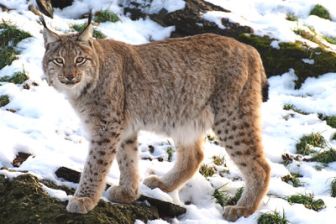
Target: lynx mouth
pixel 70 83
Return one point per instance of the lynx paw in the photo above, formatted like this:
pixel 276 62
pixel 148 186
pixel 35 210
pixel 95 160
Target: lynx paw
pixel 122 195
pixel 80 205
pixel 232 213
pixel 154 182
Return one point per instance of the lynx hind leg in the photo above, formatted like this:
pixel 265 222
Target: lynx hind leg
pixel 240 134
pixel 127 157
pixel 188 159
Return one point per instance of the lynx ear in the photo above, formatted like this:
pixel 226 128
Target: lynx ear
pixel 48 35
pixel 86 34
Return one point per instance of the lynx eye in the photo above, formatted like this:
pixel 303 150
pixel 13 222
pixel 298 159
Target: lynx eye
pixel 58 61
pixel 80 60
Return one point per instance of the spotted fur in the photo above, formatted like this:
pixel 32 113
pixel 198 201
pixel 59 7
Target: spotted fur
pixel 179 87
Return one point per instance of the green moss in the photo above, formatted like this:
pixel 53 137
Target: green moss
pixel 106 15
pixel 308 142
pixel 329 39
pixel 272 218
pixel 333 137
pixel 7 56
pixel 320 11
pixel 22 200
pixel 218 160
pixel 291 17
pixel 325 156
pixel 96 33
pixel 331 121
pixel 308 201
pixel 207 171
pixel 290 55
pixel 293 108
pixel 4 100
pixel 333 188
pixel 10 35
pixel 292 179
pixel 16 78
pixel 224 199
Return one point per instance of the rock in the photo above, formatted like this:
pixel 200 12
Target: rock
pixel 22 200
pixel 189 21
pixel 20 158
pixel 61 3
pixel 45 7
pixel 68 174
pixel 165 209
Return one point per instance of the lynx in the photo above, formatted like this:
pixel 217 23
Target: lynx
pixel 179 87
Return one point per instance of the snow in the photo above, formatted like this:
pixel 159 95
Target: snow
pixel 46 126
pixel 269 17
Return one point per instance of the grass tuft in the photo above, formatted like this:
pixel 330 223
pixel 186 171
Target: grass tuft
pixel 207 171
pixel 224 199
pixel 328 156
pixel 309 35
pixel 331 121
pixel 16 78
pixel 10 35
pixel 320 11
pixel 272 218
pixel 292 179
pixel 330 39
pixel 218 160
pixel 170 152
pixel 293 108
pixel 221 197
pixel 96 33
pixel 291 17
pixel 4 100
pixel 106 16
pixel 333 188
pixel 308 142
pixel 308 201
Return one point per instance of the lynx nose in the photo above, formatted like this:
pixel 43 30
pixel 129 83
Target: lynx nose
pixel 70 76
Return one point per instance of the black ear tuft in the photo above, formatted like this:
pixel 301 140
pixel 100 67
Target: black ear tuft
pixel 86 34
pixel 90 17
pixel 43 22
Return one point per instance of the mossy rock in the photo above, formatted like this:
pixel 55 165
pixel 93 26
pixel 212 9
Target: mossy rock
pixel 22 200
pixel 290 55
pixel 189 21
pixel 320 11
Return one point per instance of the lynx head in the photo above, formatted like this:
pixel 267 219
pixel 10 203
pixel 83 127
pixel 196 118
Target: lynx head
pixel 70 61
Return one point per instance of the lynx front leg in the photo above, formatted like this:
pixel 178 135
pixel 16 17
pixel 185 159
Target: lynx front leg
pixel 92 182
pixel 128 189
pixel 188 160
